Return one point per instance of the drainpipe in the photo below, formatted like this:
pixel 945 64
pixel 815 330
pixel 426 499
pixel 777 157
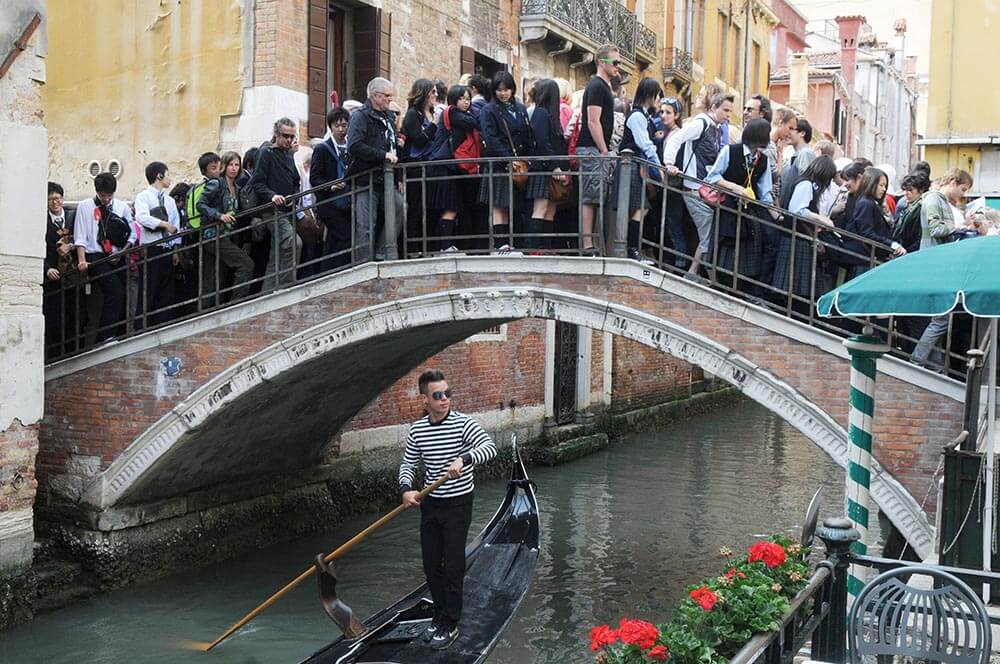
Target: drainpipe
pixel 864 351
pixel 587 58
pixel 566 47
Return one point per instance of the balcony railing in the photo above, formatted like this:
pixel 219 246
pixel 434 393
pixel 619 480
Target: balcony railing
pixel 594 22
pixel 677 64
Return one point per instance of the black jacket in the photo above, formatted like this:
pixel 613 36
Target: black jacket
pixel 275 173
pixel 52 237
pixel 216 201
pixel 418 136
pixel 548 142
pixel 326 167
pixel 867 221
pixel 491 125
pixel 370 135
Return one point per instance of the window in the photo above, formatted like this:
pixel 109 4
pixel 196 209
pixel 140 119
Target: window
pixel 699 32
pixel 495 333
pixel 756 83
pixel 722 43
pixel 737 55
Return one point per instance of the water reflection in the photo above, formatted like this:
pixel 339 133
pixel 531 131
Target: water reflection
pixel 623 532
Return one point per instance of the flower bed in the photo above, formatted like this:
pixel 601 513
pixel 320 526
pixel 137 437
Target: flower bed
pixel 719 615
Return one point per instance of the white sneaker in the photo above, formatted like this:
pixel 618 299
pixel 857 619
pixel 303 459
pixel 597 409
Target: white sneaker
pixel 506 250
pixel 451 250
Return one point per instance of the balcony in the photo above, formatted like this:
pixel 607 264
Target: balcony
pixel 589 23
pixel 678 65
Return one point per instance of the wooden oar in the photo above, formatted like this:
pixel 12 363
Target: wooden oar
pixel 339 551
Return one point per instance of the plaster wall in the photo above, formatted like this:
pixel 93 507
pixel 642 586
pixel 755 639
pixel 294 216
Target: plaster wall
pixel 22 248
pixel 137 81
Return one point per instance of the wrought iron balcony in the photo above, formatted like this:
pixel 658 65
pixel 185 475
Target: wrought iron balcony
pixel 591 23
pixel 677 64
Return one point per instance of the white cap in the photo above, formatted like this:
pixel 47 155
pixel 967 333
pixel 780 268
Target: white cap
pixel 842 163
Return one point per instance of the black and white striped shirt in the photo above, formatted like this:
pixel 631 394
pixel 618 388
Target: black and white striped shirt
pixel 437 445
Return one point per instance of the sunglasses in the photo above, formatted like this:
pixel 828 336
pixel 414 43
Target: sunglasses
pixel 288 136
pixel 437 396
pixel 609 61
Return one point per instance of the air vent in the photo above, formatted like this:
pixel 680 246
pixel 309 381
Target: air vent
pixel 114 167
pixel 94 167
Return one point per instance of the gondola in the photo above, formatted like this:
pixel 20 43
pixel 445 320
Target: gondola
pixel 500 565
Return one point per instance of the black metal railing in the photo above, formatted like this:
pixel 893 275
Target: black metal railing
pixel 600 21
pixel 819 613
pixel 388 217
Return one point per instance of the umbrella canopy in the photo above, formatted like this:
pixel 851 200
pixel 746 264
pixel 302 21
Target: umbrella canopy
pixel 928 282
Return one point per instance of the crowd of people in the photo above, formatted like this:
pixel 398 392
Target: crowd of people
pixel 327 199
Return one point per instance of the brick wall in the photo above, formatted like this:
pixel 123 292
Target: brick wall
pixel 643 376
pixel 18 446
pixel 485 375
pixel 280 43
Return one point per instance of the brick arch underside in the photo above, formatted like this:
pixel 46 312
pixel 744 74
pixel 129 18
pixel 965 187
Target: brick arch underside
pixel 292 397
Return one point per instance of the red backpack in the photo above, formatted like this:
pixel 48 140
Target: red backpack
pixel 470 148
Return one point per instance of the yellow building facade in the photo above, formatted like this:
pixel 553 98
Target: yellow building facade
pixel 718 41
pixel 963 129
pixel 132 81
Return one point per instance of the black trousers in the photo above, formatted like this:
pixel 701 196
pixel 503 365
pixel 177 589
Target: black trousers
pixel 338 238
pixel 111 280
pixel 444 527
pixel 157 293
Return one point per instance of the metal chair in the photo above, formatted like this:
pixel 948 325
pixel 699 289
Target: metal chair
pixel 947 623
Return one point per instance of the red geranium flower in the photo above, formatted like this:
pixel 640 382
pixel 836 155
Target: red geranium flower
pixel 732 572
pixel 601 636
pixel 639 633
pixel 704 597
pixel 771 554
pixel 659 653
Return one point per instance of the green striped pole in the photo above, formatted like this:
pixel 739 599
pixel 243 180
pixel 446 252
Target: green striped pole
pixel 865 351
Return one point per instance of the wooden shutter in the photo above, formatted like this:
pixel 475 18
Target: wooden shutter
pixel 372 51
pixel 468 60
pixel 318 101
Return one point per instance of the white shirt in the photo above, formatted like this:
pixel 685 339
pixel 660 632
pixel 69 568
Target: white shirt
pixel 686 135
pixel 85 226
pixel 148 199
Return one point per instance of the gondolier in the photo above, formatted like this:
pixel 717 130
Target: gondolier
pixel 445 441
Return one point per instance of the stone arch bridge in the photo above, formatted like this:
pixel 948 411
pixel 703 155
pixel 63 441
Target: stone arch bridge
pixel 266 382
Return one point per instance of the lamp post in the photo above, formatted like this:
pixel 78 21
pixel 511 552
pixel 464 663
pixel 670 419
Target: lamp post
pixel 865 351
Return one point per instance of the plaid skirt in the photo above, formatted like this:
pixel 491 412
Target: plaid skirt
pixel 501 187
pixel 751 252
pixel 636 191
pixel 804 267
pixel 538 186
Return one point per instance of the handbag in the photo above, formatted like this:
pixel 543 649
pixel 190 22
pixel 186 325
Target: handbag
pixel 518 167
pixel 308 228
pixel 711 195
pixel 559 191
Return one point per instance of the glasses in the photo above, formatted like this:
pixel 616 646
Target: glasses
pixel 609 61
pixel 439 395
pixel 749 108
pixel 383 94
pixel 287 136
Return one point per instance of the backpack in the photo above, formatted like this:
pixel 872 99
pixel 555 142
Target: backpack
pixel 194 217
pixel 470 148
pixel 112 230
pixel 440 147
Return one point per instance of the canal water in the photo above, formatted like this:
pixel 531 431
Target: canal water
pixel 623 532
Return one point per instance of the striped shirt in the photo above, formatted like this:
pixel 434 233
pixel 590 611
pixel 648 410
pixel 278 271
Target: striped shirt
pixel 437 445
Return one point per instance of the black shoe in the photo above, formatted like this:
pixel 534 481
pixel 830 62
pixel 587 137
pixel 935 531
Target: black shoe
pixel 432 629
pixel 443 638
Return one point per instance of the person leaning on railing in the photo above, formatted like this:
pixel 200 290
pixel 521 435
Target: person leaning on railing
pixel 372 142
pixel 804 203
pixel 742 168
pixel 868 220
pixel 218 205
pixel 275 178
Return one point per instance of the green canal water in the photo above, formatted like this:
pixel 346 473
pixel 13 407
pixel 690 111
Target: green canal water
pixel 623 532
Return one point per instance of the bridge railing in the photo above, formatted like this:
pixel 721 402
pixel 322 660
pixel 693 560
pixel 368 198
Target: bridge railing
pixel 387 214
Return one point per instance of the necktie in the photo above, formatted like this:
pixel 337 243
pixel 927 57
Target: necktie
pixel 59 222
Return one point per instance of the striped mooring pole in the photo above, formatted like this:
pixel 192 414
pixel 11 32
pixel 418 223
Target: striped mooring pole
pixel 865 351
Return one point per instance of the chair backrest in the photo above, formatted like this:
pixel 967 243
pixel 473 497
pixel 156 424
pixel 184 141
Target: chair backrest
pixel 946 623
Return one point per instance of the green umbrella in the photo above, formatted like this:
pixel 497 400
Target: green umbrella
pixel 933 282
pixel 929 282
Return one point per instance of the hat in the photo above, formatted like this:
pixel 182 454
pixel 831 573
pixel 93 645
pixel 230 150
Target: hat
pixel 842 163
pixel 351 105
